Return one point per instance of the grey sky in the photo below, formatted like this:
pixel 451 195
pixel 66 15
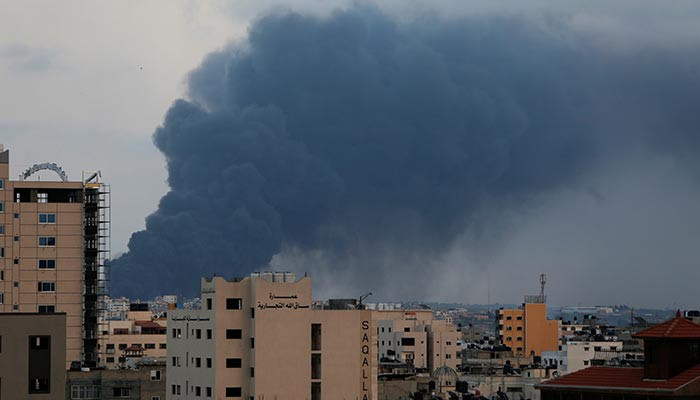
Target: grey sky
pixel 85 84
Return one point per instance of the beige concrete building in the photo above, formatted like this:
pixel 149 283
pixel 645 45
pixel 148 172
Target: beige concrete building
pixel 54 240
pixel 32 356
pixel 416 338
pixel 260 338
pixel 138 336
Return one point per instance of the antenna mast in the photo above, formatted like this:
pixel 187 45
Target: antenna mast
pixel 543 281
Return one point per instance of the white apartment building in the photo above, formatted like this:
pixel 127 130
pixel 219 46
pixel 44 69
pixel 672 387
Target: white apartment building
pixel 577 355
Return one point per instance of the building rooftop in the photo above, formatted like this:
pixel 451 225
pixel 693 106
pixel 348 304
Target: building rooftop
pixel 623 379
pixel 675 328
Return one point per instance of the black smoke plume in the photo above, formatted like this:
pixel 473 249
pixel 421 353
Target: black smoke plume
pixel 335 132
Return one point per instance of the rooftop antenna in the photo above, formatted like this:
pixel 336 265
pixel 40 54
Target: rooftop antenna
pixel 543 281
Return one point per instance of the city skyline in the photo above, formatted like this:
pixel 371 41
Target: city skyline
pixel 622 221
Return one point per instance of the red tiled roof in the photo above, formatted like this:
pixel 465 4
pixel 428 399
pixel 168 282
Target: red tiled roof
pixel 617 378
pixel 148 324
pixel 676 328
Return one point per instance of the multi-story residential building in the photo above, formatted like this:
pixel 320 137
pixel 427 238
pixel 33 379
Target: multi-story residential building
pixel 54 243
pixel 527 330
pixel 145 381
pixel 417 338
pixel 138 336
pixel 258 337
pixel 32 356
pixel 575 355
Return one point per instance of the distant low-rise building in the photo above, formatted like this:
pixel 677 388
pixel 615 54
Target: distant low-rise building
pixel 138 336
pixel 577 355
pixel 32 356
pixel 145 381
pixel 671 369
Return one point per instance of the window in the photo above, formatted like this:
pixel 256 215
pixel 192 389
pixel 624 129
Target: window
pixel 47 218
pixel 585 362
pixel 2 207
pixel 78 392
pixel 2 229
pixel 16 238
pixel 408 341
pixel 155 397
pixel 47 286
pixel 150 345
pixel 233 392
pixel 47 264
pixel 199 333
pixel 16 261
pixel 508 318
pixel 155 375
pixel 42 197
pixel 407 329
pixel 519 318
pixel 2 296
pixel 209 305
pixel 174 333
pixel 234 304
pixel 121 392
pixel 16 215
pixel 520 338
pixel 49 309
pixel 2 184
pixel 252 372
pixel 110 359
pixel 122 346
pixel 198 391
pixel 209 362
pixel 208 391
pixel 47 241
pixel 252 312
pixel 233 334
pixel 520 328
pixel 162 346
pixel 252 343
pixel 209 333
pixel 233 363
pixel 2 252
pixel 198 362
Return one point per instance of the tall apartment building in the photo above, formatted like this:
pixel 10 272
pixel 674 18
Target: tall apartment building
pixel 32 356
pixel 54 243
pixel 526 330
pixel 259 337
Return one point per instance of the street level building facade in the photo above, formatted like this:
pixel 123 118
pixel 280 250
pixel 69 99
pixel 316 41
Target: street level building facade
pixel 260 337
pixel 54 244
pixel 32 356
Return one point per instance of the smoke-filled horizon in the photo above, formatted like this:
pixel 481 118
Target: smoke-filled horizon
pixel 365 148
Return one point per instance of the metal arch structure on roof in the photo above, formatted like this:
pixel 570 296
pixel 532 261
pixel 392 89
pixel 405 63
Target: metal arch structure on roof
pixel 45 167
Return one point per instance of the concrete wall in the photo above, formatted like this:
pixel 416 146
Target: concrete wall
pixel 15 330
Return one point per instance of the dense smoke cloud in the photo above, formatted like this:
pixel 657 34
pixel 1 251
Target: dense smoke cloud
pixel 355 132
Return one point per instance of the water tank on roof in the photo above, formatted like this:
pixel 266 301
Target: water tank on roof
pixel 290 277
pixel 267 276
pixel 278 277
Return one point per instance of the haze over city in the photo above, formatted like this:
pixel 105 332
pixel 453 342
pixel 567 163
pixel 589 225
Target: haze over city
pixel 447 151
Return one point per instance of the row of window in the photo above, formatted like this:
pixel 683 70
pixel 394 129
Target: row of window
pixel 510 328
pixel 44 218
pixel 41 287
pixel 123 346
pixel 510 339
pixel 197 390
pixel 42 308
pixel 197 333
pixel 44 241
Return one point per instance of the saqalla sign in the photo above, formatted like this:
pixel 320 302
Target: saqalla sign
pixel 366 370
